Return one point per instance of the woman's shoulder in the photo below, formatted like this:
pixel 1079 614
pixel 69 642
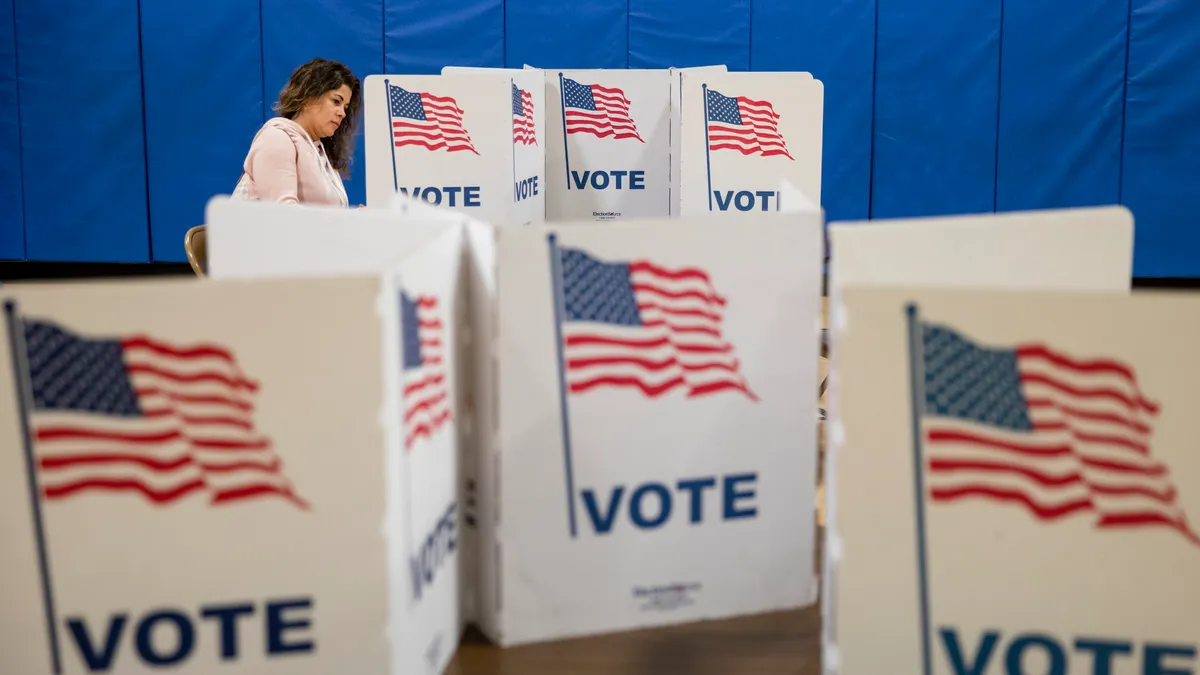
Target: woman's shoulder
pixel 277 135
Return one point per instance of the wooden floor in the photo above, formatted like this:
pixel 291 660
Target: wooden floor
pixel 768 644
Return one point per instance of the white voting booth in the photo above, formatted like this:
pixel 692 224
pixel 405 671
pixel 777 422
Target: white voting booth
pixel 458 141
pixel 1010 251
pixel 419 248
pixel 200 479
pixel 1051 531
pixel 608 149
pixel 742 133
pixel 643 458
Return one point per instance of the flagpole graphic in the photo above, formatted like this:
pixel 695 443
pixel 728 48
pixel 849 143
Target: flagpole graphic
pixel 24 389
pixel 512 83
pixel 707 146
pixel 916 373
pixel 391 136
pixel 562 95
pixel 556 284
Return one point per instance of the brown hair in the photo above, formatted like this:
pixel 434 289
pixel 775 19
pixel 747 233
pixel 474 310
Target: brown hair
pixel 314 79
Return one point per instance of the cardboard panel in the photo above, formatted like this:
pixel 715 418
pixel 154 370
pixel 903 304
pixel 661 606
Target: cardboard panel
pixel 608 148
pixel 449 139
pixel 979 423
pixel 744 132
pixel 598 450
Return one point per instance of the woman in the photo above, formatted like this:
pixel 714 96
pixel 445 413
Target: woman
pixel 301 156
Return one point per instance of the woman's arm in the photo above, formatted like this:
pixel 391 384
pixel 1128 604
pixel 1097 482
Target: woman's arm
pixel 271 162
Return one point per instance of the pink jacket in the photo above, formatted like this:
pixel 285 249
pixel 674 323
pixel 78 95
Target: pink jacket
pixel 286 165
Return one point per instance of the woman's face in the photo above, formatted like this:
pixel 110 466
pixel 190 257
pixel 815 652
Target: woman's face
pixel 328 110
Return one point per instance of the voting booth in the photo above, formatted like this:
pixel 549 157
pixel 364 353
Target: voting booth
pixel 406 241
pixel 1013 251
pixel 742 133
pixel 467 142
pixel 608 153
pixel 235 475
pixel 1026 487
pixel 643 454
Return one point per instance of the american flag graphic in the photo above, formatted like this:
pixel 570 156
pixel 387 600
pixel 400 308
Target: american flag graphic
pixel 522 111
pixel 1057 435
pixel 743 124
pixel 141 415
pixel 431 122
pixel 640 325
pixel 596 110
pixel 426 392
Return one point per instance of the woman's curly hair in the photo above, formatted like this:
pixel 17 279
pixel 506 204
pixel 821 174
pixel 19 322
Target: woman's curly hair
pixel 314 79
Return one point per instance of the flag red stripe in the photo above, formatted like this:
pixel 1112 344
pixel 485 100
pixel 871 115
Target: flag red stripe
pixel 152 463
pixel 707 298
pixel 1044 512
pixel 672 311
pixel 1090 415
pixel 672 274
pixel 199 351
pixel 713 387
pixel 1042 478
pixel 1089 366
pixel 653 390
pixel 157 496
pixel 1033 449
pixel 1091 392
pixel 581 340
pixel 199 420
pixel 211 399
pixel 431 381
pixel 647 364
pixel 424 404
pixel 426 429
pixel 1149 518
pixel 1099 439
pixel 258 490
pixel 679 328
pixel 1122 467
pixel 191 378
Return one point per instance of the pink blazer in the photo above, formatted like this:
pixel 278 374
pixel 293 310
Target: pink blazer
pixel 285 165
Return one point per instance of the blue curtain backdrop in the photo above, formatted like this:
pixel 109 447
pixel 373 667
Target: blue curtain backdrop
pixel 116 138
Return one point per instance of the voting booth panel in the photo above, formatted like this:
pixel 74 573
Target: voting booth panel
pixel 454 141
pixel 1025 482
pixel 1012 251
pixel 198 478
pixel 529 139
pixel 608 153
pixel 744 132
pixel 651 467
pixel 479 474
pixel 261 239
pixel 424 405
pixel 324 242
pixel 676 75
pixel 1021 249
